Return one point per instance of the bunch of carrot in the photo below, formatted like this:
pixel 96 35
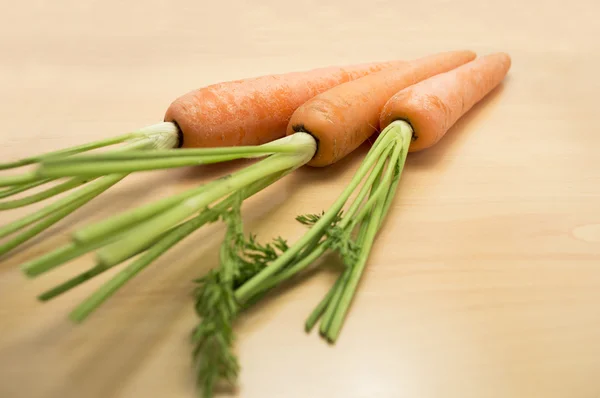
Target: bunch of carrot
pixel 310 118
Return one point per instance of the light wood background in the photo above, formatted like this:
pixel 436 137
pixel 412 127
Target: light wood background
pixel 484 283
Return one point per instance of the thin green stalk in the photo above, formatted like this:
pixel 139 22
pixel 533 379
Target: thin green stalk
pixel 128 219
pixel 67 151
pixel 382 188
pixel 388 184
pixel 130 161
pixel 22 188
pixel 146 231
pixel 314 317
pixel 167 241
pixel 38 197
pixel 161 135
pixel 337 290
pixel 70 284
pixel 61 256
pixel 354 277
pixel 375 173
pixel 406 134
pixel 84 309
pixel 21 179
pixel 136 216
pixel 43 225
pixel 259 150
pixel 287 273
pixel 95 188
pixel 83 277
pixel 247 290
pixel 128 166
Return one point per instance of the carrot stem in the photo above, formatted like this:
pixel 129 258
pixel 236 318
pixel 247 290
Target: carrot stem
pixel 379 205
pixel 70 284
pixel 302 260
pixel 134 161
pixel 44 224
pixel 59 256
pixel 322 306
pixel 379 174
pixel 21 179
pixel 98 168
pixel 167 241
pixel 95 187
pixel 131 218
pixel 144 232
pixel 38 197
pixel 259 150
pixel 332 305
pixel 141 223
pixel 159 136
pixel 84 309
pixel 69 151
pixel 5 193
pixel 244 292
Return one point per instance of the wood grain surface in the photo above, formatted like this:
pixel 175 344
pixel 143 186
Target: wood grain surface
pixel 484 283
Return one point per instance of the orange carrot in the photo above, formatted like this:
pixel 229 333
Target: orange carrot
pixel 256 110
pixel 435 104
pixel 342 118
pixel 412 104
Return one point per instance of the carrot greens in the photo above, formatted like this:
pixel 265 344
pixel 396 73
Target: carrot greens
pixel 145 233
pixel 248 270
pixel 160 136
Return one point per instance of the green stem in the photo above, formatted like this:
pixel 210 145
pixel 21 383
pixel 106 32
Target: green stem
pixel 133 161
pixel 38 197
pixel 156 250
pixel 258 150
pixel 70 284
pixel 403 131
pixel 287 273
pixel 22 188
pixel 126 220
pixel 60 256
pixel 128 166
pixel 68 151
pixel 169 239
pixel 136 216
pixel 21 179
pixel 161 135
pixel 380 191
pixel 143 233
pixel 247 290
pixel 354 277
pixel 314 317
pixel 83 277
pixel 44 224
pixel 94 188
pixel 337 290
pixel 406 139
pixel 367 186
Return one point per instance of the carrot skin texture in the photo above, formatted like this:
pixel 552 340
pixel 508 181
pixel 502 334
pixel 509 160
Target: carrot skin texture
pixel 345 116
pixel 256 110
pixel 432 106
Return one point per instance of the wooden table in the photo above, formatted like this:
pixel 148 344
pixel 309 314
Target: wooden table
pixel 484 283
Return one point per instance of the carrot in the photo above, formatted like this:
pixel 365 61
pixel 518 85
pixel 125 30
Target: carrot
pixel 238 113
pixel 248 270
pixel 425 110
pixel 256 110
pixel 342 118
pixel 434 105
